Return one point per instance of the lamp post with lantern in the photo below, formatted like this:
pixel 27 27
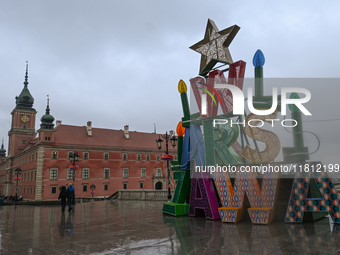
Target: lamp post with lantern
pixel 171 136
pixel 74 157
pixel 92 187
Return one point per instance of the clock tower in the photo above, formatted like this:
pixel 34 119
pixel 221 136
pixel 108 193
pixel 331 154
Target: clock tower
pixel 23 121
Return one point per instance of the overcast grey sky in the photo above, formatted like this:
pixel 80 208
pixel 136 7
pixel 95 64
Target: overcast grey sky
pixel 118 63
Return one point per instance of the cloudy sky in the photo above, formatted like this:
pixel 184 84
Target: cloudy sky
pixel 118 63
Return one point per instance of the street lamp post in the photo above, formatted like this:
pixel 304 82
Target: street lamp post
pixel 17 171
pixel 171 136
pixel 93 187
pixel 74 157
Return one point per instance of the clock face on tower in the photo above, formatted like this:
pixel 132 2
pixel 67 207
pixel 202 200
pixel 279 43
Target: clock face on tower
pixel 25 118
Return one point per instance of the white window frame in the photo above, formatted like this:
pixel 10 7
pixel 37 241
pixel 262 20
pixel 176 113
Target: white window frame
pixel 84 185
pixel 158 172
pixel 141 172
pixel 88 155
pixel 52 186
pixel 106 169
pixel 69 174
pixel 54 153
pixel 88 173
pixel 106 184
pixel 108 156
pixel 54 170
pixel 125 172
pixel 68 154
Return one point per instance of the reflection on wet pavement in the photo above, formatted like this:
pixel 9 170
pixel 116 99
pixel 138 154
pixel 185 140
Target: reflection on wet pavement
pixel 139 227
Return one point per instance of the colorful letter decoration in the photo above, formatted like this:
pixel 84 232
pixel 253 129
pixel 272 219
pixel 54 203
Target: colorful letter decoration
pixel 269 138
pixel 299 203
pixel 202 195
pixel 262 202
pixel 215 96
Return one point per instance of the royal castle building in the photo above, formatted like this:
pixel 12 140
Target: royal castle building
pixel 109 159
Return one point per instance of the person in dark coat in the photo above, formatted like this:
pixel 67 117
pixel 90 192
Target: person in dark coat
pixel 70 195
pixel 63 196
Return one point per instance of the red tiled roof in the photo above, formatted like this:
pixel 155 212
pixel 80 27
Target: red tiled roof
pixel 77 136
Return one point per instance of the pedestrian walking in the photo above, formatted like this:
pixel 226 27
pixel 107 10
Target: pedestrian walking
pixel 62 197
pixel 70 195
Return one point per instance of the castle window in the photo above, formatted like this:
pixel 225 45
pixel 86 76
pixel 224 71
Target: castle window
pixel 106 186
pixel 158 157
pixel 54 174
pixel 125 172
pixel 53 189
pixel 86 172
pixel 139 156
pixel 158 172
pixel 54 154
pixel 125 186
pixel 147 157
pixel 86 155
pixel 106 156
pixel 141 185
pixel 143 172
pixel 106 173
pixel 70 154
pixel 69 174
pixel 84 187
pixel 124 156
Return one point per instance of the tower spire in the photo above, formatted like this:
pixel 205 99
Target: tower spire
pixel 47 119
pixel 25 99
pixel 26 75
pixel 2 150
pixel 48 105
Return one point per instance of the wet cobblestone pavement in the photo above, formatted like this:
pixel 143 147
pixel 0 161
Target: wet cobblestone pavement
pixel 139 227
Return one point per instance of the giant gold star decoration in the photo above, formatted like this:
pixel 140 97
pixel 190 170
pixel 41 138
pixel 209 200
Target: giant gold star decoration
pixel 214 46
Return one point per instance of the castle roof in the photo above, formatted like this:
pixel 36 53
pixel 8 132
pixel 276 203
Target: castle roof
pixel 67 135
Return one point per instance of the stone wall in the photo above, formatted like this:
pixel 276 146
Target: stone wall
pixel 160 195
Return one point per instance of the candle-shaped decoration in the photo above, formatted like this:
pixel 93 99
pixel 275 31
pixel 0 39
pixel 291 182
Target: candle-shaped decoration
pixel 297 130
pixel 182 88
pixel 180 130
pixel 258 62
pixel 258 59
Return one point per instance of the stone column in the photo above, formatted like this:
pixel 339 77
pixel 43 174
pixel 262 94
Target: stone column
pixel 40 172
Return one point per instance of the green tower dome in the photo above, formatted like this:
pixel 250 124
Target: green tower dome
pixel 47 119
pixel 25 100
